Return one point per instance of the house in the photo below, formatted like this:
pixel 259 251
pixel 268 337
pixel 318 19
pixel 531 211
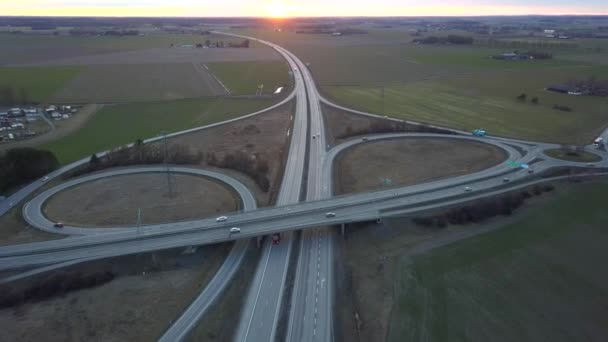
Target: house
pixel 14 112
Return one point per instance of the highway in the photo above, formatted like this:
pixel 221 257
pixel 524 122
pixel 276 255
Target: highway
pixel 261 313
pixel 310 317
pixel 350 208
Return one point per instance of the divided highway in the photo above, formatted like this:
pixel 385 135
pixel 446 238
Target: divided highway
pixel 311 304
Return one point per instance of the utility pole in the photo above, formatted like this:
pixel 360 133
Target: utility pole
pixel 382 98
pixel 166 164
pixel 138 221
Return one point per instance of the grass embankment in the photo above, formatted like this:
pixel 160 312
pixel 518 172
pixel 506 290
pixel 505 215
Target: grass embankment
pixel 582 157
pixel 537 278
pixel 38 83
pixel 121 124
pixel 478 100
pixel 243 78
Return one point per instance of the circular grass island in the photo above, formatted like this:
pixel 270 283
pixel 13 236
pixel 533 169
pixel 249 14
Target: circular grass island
pixel 384 164
pixel 115 201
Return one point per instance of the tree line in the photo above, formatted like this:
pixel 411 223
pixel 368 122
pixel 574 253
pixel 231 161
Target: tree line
pixel 10 96
pixel 22 165
pixel 483 209
pixel 450 39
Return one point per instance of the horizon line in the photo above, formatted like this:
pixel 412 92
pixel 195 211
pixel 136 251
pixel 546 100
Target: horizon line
pixel 603 14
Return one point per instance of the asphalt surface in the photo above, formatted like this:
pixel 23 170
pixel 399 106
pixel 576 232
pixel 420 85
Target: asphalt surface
pixel 312 300
pixel 348 208
pixel 310 315
pixel 261 313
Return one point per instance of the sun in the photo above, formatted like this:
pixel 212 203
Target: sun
pixel 276 9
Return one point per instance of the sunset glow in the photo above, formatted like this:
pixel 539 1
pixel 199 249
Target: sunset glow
pixel 276 9
pixel 281 8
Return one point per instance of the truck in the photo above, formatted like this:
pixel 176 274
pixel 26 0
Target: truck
pixel 479 132
pixel 598 142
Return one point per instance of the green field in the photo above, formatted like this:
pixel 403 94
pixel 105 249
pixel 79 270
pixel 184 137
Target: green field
pixel 539 278
pixel 484 100
pixel 456 86
pixel 243 78
pixel 19 48
pixel 119 125
pixel 39 83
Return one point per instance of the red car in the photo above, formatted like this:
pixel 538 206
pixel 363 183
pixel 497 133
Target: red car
pixel 276 238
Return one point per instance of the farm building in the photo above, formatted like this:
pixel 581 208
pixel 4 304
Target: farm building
pixel 565 89
pixel 512 56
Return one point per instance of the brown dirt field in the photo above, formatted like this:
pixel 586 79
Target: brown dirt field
pixel 337 122
pixel 131 307
pixel 116 200
pixel 62 128
pixel 264 136
pixel 391 163
pixel 145 82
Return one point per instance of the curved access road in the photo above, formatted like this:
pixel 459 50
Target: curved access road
pixel 32 211
pixel 27 190
pixel 187 321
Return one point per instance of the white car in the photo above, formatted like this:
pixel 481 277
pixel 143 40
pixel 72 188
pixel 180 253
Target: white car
pixel 330 214
pixel 234 230
pixel 221 219
pixel 468 188
pixel 44 179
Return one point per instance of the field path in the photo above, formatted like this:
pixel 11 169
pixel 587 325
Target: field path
pixel 211 82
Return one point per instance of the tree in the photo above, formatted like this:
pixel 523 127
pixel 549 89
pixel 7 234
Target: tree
pixel 522 97
pixel 534 100
pixel 23 96
pixel 207 43
pixel 94 161
pixel 245 43
pixel 24 164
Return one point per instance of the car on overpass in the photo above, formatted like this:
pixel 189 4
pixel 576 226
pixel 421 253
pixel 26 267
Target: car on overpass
pixel 58 225
pixel 221 219
pixel 276 238
pixel 235 230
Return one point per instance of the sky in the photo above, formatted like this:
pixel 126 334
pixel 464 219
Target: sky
pixel 287 8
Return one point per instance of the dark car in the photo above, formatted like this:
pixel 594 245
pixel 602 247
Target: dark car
pixel 276 238
pixel 58 224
